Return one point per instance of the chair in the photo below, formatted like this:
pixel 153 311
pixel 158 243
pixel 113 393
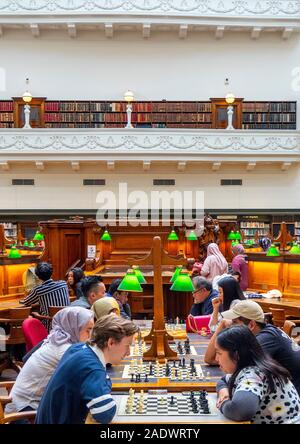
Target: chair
pixel 13 319
pixel 288 327
pixel 11 417
pixel 34 332
pixel 278 316
pixel 52 312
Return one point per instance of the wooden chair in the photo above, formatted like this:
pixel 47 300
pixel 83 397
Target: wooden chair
pixel 7 385
pixel 52 312
pixel 288 327
pixel 13 319
pixel 278 316
pixel 10 417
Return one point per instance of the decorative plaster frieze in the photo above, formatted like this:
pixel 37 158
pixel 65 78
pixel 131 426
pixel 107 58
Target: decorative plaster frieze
pixel 229 8
pixel 145 141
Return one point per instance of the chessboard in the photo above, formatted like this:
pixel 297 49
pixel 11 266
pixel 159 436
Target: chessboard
pixel 182 348
pixel 141 371
pixel 164 404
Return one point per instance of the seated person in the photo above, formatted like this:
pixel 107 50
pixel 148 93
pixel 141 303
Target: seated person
pixel 74 278
pixel 80 383
pixel 203 296
pixel 256 388
pixel 48 294
pixel 229 291
pixel 69 326
pixel 121 297
pixel 272 339
pixel 92 289
pixel 105 306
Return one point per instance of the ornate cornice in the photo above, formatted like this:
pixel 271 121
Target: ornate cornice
pixel 228 8
pixel 145 143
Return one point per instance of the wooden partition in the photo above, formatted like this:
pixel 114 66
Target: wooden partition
pixel 11 275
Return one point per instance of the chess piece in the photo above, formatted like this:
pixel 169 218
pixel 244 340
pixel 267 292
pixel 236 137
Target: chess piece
pixel 146 378
pixel 172 400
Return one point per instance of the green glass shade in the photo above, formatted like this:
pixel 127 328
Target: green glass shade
pixel 183 282
pixel 272 251
pixel 139 275
pixel 234 242
pixel 231 235
pixel 176 273
pixel 105 236
pixel 238 235
pixel 192 236
pixel 14 253
pixel 31 244
pixel 173 236
pixel 295 249
pixel 38 236
pixel 25 243
pixel 130 283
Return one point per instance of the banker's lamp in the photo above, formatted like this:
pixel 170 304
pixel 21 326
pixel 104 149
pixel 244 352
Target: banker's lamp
pixel 173 236
pixel 130 283
pixel 14 253
pixel 183 282
pixel 139 274
pixel 295 249
pixel 176 273
pixel 273 251
pixel 105 236
pixel 38 236
pixel 192 236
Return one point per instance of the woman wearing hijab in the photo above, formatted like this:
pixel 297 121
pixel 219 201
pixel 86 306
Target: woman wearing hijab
pixel 215 263
pixel 105 306
pixel 239 264
pixel 69 326
pixel 229 293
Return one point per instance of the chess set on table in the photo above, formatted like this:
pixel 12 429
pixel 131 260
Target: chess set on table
pixel 140 371
pixel 162 403
pixel 185 349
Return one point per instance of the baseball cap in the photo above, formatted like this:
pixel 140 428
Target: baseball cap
pixel 274 294
pixel 247 309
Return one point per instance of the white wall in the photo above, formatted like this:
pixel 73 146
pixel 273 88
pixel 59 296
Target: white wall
pixel 265 188
pixel 163 67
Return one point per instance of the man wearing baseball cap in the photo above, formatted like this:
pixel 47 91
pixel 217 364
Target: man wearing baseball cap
pixel 272 339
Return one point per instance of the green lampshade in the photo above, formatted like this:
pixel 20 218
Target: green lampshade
pixel 173 236
pixel 130 283
pixel 238 235
pixel 31 244
pixel 234 242
pixel 25 243
pixel 183 282
pixel 192 236
pixel 105 236
pixel 139 274
pixel 14 253
pixel 273 251
pixel 295 249
pixel 176 273
pixel 38 236
pixel 231 235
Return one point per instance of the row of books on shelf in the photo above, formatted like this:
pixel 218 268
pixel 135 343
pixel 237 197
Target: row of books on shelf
pixel 6 106
pixel 254 225
pixel 265 117
pixel 253 231
pixel 277 107
pixel 279 126
pixel 6 117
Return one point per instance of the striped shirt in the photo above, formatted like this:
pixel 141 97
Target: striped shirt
pixel 49 294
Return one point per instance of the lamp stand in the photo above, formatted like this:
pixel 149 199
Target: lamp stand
pixel 230 116
pixel 129 111
pixel 27 116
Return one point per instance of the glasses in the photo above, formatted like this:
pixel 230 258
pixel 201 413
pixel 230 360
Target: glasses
pixel 197 291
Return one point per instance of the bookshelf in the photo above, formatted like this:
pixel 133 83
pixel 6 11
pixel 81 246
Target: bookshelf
pixel 297 231
pixel 10 230
pixel 269 115
pixel 149 114
pixel 6 114
pixel 254 229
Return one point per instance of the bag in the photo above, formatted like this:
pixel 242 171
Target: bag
pixel 198 324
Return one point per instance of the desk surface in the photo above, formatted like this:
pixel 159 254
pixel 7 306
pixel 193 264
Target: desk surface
pixel 6 304
pixel 290 305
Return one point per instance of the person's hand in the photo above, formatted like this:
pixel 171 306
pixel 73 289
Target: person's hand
pixel 223 395
pixel 216 304
pixel 225 323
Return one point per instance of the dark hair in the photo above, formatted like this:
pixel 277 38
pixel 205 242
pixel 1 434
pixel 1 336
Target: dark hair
pixel 236 273
pixel 231 290
pixel 43 271
pixel 89 283
pixel 78 275
pixel 200 282
pixel 245 350
pixel 111 326
pixel 114 286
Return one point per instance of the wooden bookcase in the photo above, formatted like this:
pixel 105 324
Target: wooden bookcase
pixel 6 114
pixel 269 115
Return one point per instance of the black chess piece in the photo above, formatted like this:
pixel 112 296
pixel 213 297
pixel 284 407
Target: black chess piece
pixel 132 377
pixel 150 369
pixel 172 400
pixel 174 363
pixel 146 378
pixel 183 363
pixel 176 373
pixel 168 371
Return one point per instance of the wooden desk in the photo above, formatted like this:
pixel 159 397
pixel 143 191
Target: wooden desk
pixel 6 304
pixel 290 305
pixel 11 273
